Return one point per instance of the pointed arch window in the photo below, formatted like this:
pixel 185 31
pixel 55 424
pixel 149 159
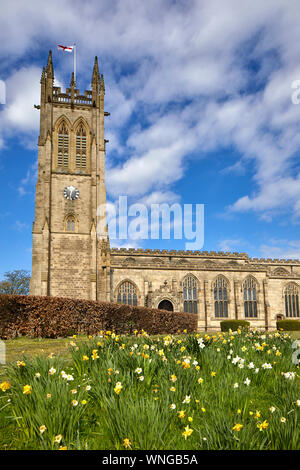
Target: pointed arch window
pixel 291 298
pixel 250 298
pixel 127 294
pixel 70 224
pixel 63 146
pixel 81 148
pixel 190 294
pixel 221 297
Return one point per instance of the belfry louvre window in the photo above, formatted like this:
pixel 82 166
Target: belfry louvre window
pixel 81 148
pixel 291 297
pixel 63 147
pixel 190 294
pixel 220 298
pixel 250 299
pixel 127 294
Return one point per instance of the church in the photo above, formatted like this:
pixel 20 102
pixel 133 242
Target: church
pixel 70 258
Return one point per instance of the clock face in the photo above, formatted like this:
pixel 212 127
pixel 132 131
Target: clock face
pixel 71 193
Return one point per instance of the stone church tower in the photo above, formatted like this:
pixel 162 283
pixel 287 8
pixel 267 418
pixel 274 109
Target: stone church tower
pixel 71 255
pixel 68 259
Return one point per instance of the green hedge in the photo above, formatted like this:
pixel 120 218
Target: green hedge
pixel 288 325
pixel 233 325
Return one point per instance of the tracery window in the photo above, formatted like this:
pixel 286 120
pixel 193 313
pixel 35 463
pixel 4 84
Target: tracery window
pixel 127 294
pixel 81 148
pixel 190 294
pixel 250 298
pixel 63 146
pixel 221 297
pixel 291 298
pixel 70 224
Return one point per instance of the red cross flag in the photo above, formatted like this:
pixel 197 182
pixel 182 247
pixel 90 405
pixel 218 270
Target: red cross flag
pixel 65 48
pixel 69 49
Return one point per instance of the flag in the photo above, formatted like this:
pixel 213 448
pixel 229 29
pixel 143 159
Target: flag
pixel 65 48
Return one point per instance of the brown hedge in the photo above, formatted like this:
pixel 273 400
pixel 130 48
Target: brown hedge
pixel 52 317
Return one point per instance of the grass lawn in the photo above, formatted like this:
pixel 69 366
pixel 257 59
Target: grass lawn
pixel 206 391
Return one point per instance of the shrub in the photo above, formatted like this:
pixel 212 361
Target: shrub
pixel 52 317
pixel 233 325
pixel 288 325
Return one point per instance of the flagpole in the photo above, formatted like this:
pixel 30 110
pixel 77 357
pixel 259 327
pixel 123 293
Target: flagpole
pixel 75 62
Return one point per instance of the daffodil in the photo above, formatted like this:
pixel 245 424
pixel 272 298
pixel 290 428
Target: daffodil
pixel 118 388
pixel 263 425
pixel 4 386
pixel 187 399
pixel 187 431
pixel 237 427
pixel 43 429
pixel 126 442
pixel 27 389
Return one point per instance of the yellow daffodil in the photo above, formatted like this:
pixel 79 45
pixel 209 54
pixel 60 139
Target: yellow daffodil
pixel 27 389
pixel 187 431
pixel 263 425
pixel 186 365
pixel 118 388
pixel 237 427
pixel 4 386
pixel 126 442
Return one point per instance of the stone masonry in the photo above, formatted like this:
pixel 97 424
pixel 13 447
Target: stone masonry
pixel 71 256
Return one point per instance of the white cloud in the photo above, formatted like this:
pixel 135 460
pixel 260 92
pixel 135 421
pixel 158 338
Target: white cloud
pixel 20 226
pixel 230 244
pixel 23 91
pixel 228 67
pixel 29 180
pixel 281 249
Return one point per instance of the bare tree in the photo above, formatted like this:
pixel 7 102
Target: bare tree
pixel 15 282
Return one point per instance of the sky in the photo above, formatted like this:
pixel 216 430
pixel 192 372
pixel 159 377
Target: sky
pixel 203 106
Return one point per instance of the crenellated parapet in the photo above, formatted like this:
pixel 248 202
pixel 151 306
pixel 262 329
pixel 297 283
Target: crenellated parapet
pixel 202 254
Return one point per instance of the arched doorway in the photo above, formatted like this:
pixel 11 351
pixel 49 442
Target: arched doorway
pixel 166 305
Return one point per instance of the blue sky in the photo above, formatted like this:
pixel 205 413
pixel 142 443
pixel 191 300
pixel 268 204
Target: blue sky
pixel 201 112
